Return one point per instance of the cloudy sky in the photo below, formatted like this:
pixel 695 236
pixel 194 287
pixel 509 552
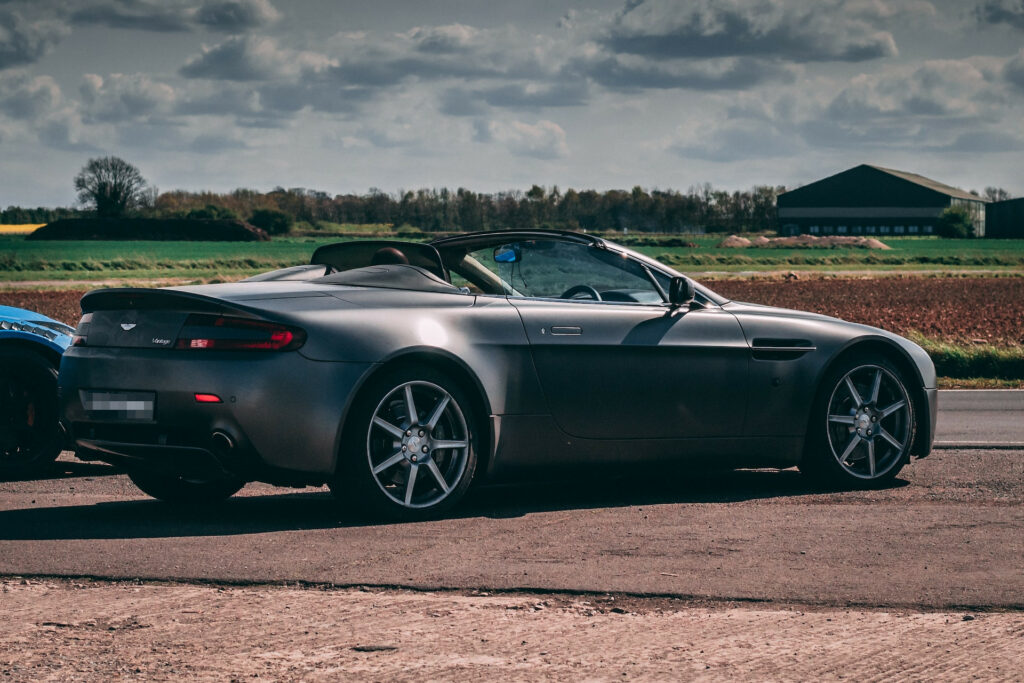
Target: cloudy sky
pixel 346 95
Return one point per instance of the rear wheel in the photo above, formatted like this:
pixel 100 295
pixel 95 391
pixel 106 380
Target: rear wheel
pixel 409 448
pixel 862 425
pixel 174 489
pixel 30 435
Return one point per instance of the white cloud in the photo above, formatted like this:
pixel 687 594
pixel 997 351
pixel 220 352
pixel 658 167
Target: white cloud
pixel 252 58
pixel 736 139
pixel 174 16
pixel 236 16
pixel 541 140
pixel 26 97
pixel 452 38
pixel 792 30
pixel 937 88
pixel 124 97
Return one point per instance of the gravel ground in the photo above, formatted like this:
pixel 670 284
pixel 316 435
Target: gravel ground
pixel 70 630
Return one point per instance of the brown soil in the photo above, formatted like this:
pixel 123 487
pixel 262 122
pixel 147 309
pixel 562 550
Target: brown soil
pixel 59 305
pixel 959 309
pixel 68 630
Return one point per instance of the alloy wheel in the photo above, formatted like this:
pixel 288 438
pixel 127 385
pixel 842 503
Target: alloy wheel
pixel 869 422
pixel 417 444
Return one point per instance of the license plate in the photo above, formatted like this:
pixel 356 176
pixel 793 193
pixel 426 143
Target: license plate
pixel 119 405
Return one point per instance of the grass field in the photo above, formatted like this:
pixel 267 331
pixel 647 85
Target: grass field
pixel 961 360
pixel 907 252
pixel 22 259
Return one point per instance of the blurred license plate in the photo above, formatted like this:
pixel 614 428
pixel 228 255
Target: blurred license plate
pixel 119 405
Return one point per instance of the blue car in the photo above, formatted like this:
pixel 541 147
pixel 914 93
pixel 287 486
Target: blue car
pixel 30 351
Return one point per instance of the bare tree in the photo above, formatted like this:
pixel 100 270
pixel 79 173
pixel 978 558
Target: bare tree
pixel 111 186
pixel 996 194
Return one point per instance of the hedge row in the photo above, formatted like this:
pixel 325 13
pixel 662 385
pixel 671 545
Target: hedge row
pixel 159 229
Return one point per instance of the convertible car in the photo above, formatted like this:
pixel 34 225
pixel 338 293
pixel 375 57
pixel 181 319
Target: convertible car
pixel 31 345
pixel 401 373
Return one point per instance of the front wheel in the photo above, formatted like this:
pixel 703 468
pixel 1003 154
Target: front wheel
pixel 409 449
pixel 178 490
pixel 30 435
pixel 862 425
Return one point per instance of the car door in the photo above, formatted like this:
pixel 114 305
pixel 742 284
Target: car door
pixel 627 366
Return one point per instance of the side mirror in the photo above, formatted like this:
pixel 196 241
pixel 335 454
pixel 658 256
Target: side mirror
pixel 680 291
pixel 508 253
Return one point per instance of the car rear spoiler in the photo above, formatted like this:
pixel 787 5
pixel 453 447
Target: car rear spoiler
pixel 132 298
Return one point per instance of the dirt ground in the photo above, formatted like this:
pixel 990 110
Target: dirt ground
pixel 94 631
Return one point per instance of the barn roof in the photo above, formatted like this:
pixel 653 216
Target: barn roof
pixel 929 183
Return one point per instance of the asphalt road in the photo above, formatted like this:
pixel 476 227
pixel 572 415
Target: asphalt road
pixel 981 417
pixel 949 534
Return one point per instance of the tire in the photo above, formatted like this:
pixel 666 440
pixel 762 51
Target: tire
pixel 30 433
pixel 384 450
pixel 862 424
pixel 180 491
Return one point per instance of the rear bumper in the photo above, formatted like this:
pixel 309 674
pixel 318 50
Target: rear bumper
pixel 280 413
pixel 184 461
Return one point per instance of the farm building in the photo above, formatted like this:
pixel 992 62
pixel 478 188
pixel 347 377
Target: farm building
pixel 871 200
pixel 1005 219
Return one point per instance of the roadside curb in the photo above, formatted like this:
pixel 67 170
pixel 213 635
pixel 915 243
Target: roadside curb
pixel 978 446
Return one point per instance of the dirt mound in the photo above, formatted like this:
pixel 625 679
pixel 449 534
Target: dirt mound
pixel 805 242
pixel 159 229
pixel 734 241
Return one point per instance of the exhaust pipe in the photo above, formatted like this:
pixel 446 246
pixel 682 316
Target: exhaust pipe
pixel 222 442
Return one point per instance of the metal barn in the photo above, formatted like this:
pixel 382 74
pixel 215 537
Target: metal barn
pixel 1005 219
pixel 871 200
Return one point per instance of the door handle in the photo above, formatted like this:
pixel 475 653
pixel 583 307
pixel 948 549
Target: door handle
pixel 566 331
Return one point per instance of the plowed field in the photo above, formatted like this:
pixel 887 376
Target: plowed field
pixel 954 309
pixel 61 306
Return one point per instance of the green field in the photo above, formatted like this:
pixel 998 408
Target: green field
pixel 22 260
pixel 908 252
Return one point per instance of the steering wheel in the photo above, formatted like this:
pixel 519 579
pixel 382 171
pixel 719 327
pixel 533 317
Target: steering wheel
pixel 581 289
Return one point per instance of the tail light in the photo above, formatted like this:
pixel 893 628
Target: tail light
pixel 81 335
pixel 221 333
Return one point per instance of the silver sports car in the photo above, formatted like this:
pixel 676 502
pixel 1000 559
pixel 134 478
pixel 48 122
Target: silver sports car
pixel 402 373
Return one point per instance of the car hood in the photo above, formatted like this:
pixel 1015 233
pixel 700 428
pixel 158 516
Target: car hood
pixel 743 309
pixel 738 307
pixel 18 323
pixel 23 315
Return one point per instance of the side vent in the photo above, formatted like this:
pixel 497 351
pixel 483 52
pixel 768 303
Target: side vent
pixel 771 348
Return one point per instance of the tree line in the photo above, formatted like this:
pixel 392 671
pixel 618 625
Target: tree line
pixel 444 210
pixel 111 187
